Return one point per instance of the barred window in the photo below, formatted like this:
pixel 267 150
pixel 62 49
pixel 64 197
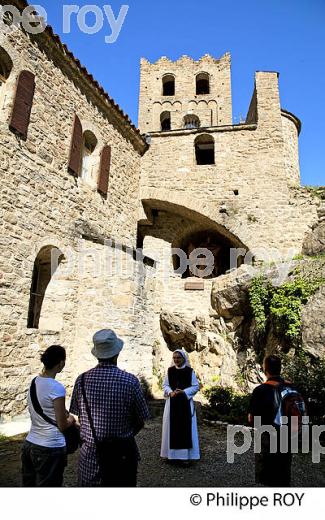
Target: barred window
pixel 191 121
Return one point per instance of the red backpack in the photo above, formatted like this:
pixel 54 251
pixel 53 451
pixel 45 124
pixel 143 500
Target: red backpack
pixel 290 404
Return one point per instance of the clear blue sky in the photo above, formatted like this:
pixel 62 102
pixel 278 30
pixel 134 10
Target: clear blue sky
pixel 283 35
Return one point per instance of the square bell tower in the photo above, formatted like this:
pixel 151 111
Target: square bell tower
pixel 185 93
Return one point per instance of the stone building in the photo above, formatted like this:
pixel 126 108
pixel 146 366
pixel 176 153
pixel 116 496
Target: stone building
pixel 91 208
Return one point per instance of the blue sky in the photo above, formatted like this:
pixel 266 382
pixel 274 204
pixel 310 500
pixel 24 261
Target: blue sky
pixel 283 35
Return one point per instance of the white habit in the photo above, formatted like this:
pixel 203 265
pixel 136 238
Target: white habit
pixel 186 454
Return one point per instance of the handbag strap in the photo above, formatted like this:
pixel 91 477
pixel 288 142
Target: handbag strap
pixel 36 404
pixel 90 419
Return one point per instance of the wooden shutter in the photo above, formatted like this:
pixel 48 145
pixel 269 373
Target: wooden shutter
pixel 74 165
pixel 22 108
pixel 105 165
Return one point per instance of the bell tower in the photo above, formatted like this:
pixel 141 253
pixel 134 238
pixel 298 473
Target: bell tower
pixel 185 93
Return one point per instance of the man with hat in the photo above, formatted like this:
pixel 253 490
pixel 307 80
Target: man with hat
pixel 111 408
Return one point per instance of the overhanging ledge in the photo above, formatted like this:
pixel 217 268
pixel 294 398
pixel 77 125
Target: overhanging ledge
pixel 206 130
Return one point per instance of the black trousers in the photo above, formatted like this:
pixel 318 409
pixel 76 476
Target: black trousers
pixel 41 466
pixel 272 469
pixel 118 462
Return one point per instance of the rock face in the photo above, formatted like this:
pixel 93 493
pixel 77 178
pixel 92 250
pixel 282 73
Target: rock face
pixel 177 332
pixel 229 296
pixel 226 347
pixel 313 324
pixel 314 243
pixel 212 342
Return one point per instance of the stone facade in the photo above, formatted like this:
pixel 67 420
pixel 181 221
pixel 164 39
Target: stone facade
pixel 158 198
pixel 249 196
pixel 43 205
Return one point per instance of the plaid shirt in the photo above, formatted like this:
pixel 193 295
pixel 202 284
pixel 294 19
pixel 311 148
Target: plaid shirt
pixel 117 407
pixel 116 403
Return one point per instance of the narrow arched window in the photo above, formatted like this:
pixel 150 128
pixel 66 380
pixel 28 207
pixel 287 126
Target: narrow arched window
pixel 45 265
pixel 191 121
pixel 168 85
pixel 89 145
pixel 4 74
pixel 165 121
pixel 202 84
pixel 5 66
pixel 204 149
pixel 5 71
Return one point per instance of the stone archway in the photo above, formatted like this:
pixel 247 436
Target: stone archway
pixel 186 229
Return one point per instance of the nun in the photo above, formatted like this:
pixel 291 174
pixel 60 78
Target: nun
pixel 179 432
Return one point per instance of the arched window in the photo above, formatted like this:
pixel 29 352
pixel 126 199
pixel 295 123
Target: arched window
pixel 4 73
pixel 204 149
pixel 5 70
pixel 5 66
pixel 202 84
pixel 46 263
pixel 191 121
pixel 165 122
pixel 168 85
pixel 89 145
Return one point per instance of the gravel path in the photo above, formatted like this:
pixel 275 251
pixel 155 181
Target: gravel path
pixel 211 471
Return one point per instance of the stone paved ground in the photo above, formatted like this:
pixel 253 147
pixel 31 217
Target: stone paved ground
pixel 211 471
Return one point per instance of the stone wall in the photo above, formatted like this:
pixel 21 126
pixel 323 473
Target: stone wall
pixel 291 153
pixel 42 204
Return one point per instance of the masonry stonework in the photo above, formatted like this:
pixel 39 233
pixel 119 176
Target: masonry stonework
pixel 158 198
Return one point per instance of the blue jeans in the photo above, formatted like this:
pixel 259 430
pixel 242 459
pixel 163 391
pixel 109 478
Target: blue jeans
pixel 41 466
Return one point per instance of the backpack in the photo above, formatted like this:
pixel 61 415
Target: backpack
pixel 291 404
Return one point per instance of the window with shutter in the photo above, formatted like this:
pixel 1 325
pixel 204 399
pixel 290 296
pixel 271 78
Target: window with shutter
pixel 105 165
pixel 76 148
pixel 23 103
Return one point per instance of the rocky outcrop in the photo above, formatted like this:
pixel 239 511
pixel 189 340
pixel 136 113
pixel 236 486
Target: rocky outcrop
pixel 225 344
pixel 314 243
pixel 229 295
pixel 177 332
pixel 313 324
